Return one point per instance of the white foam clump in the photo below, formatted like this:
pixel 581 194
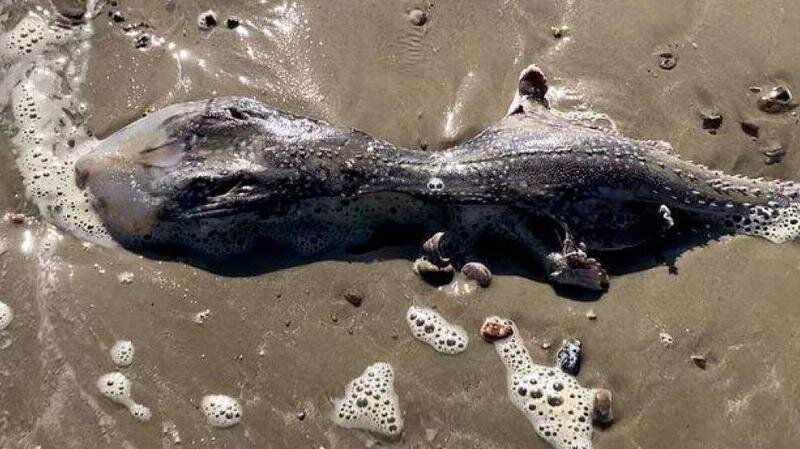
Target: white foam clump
pixel 122 353
pixel 6 315
pixel 370 403
pixel 117 388
pixel 43 68
pixel 221 411
pixel 559 409
pixel 430 327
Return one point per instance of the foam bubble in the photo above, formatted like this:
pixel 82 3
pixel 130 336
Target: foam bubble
pixel 116 387
pixel 430 327
pixel 221 411
pixel 6 316
pixel 141 412
pixel 559 409
pixel 44 66
pixel 122 353
pixel 370 403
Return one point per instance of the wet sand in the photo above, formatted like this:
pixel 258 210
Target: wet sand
pixel 287 341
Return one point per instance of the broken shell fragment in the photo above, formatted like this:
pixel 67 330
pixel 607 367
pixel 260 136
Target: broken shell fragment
pixel 601 411
pixel 432 250
pixel 433 273
pixel 778 99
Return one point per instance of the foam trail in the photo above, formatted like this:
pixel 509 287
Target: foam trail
pixel 43 67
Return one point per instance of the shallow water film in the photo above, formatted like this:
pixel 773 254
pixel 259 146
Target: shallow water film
pixel 105 347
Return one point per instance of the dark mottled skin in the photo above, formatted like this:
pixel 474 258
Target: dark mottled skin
pixel 226 172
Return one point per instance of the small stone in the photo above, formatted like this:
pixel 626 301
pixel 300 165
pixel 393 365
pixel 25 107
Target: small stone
pixel 774 154
pixel 207 20
pixel 301 415
pixel 546 345
pixel 142 41
pixel 699 361
pixel 755 89
pixel 232 22
pixel 493 329
pixel 117 16
pixel 560 31
pixel 750 128
pixel 602 412
pixel 417 17
pixel 354 298
pixel 668 60
pixel 591 315
pixel 778 99
pixel 477 272
pixel 666 339
pixel 712 121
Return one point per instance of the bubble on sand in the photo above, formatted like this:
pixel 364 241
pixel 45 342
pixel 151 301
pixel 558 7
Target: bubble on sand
pixel 116 387
pixel 370 403
pixel 430 327
pixel 6 315
pixel 221 411
pixel 558 408
pixel 44 66
pixel 122 353
pixel 125 278
pixel 141 412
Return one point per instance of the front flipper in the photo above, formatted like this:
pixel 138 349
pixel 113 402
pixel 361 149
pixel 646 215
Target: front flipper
pixel 574 268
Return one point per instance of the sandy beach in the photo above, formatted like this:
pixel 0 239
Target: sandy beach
pixel 285 342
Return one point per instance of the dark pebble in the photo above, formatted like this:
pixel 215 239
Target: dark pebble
pixel 751 129
pixel 232 22
pixel 712 121
pixel 117 16
pixel 354 298
pixel 774 154
pixel 668 60
pixel 142 41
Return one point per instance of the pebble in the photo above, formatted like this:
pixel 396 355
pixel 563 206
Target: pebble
pixel 668 60
pixel 750 128
pixel 433 273
pixel 699 361
pixel 417 17
pixel 477 272
pixel 117 16
pixel 560 31
pixel 666 339
pixel 712 121
pixel 774 154
pixel 354 298
pixel 591 315
pixel 232 22
pixel 207 20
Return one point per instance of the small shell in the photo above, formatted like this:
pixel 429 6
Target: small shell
pixel 478 273
pixel 778 99
pixel 433 273
pixel 432 250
